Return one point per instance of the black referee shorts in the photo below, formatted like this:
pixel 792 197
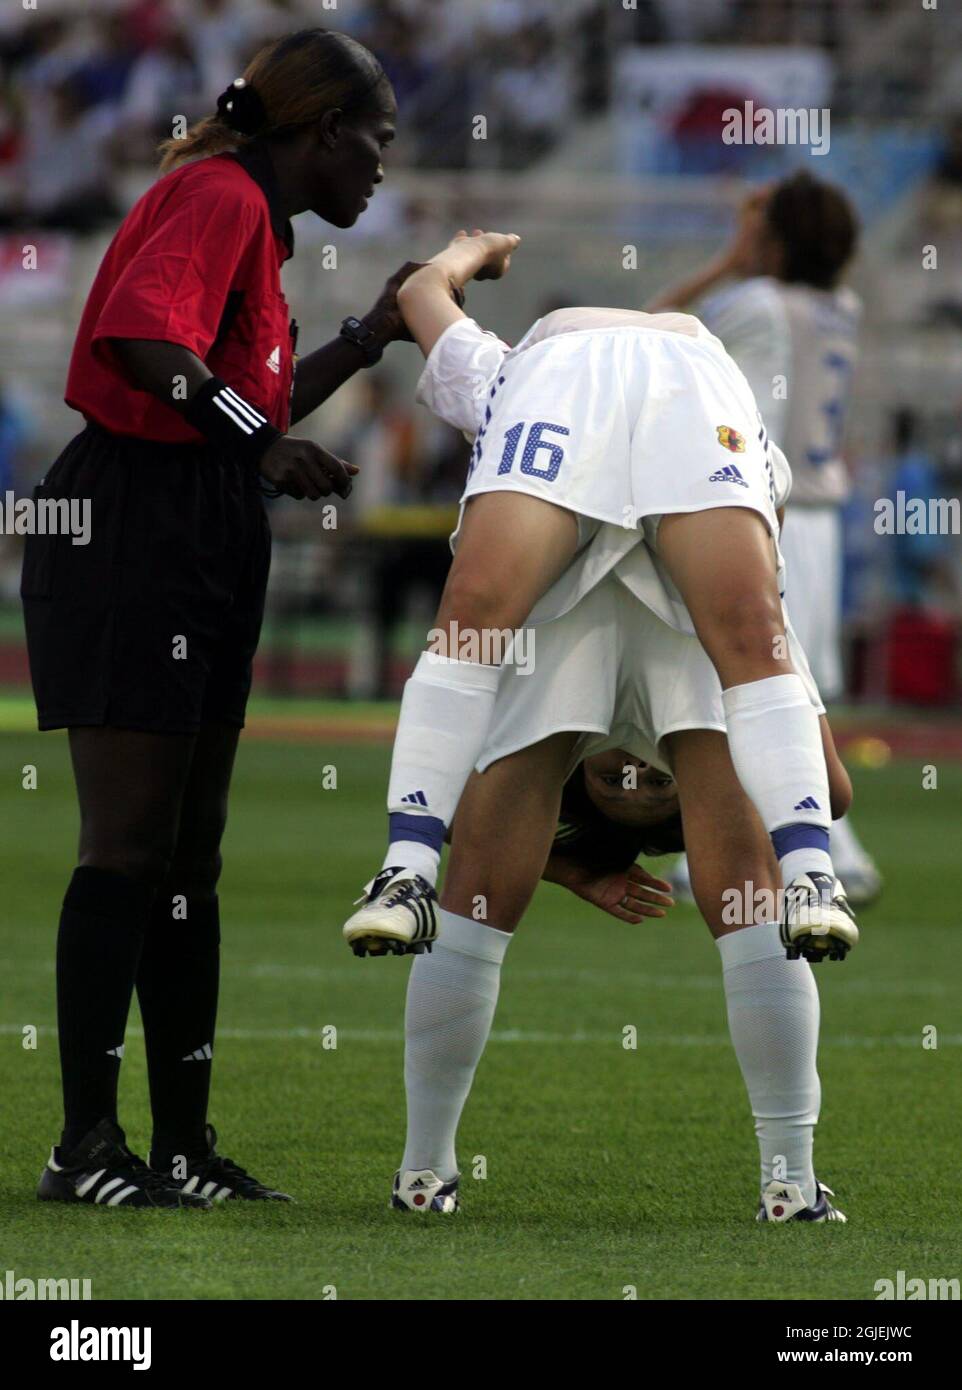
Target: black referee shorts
pixel 153 625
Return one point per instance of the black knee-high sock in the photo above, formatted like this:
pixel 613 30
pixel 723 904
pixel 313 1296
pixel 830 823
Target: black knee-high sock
pixel 177 984
pixel 102 925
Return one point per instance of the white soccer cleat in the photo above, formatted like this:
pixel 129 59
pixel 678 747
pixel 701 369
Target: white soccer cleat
pixel 399 916
pixel 783 1201
pixel 817 920
pixel 424 1191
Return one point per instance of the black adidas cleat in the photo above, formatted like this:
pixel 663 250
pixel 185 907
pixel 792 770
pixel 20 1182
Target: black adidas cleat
pixel 817 922
pixel 783 1201
pixel 399 916
pixel 102 1171
pixel 218 1179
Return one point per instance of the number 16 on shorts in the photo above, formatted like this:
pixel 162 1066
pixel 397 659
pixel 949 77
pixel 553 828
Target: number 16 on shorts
pixel 541 456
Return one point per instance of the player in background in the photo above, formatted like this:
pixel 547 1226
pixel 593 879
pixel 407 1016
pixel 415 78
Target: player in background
pixel 605 435
pixel 792 328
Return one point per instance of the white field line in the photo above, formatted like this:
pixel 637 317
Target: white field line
pixel 376 973
pixel 524 1035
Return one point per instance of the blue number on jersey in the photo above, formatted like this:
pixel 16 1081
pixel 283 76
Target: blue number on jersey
pixel 533 443
pixel 833 410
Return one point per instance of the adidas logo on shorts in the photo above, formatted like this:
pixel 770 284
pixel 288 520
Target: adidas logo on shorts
pixel 728 474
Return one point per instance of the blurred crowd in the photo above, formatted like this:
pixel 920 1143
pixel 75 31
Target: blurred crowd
pixel 84 92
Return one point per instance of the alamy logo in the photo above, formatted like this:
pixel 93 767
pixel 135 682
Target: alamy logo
pixel 914 1290
pixel 783 125
pixel 917 516
pixel 728 474
pixel 809 804
pixel 76 1343
pixel 46 516
pixel 23 1289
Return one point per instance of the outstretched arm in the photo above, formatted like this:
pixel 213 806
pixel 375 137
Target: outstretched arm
pixel 425 298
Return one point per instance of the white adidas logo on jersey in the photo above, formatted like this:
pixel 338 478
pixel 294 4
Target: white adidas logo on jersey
pixel 274 361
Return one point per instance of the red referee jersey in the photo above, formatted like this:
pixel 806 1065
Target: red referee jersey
pixel 196 261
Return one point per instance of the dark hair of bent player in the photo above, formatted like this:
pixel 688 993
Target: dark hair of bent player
pixel 815 228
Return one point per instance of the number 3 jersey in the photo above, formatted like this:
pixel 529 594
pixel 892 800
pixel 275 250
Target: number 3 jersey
pixel 797 347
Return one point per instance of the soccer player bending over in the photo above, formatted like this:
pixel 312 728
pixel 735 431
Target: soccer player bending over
pixel 620 729
pixel 605 436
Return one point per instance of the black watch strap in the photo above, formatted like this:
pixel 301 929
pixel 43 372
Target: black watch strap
pixel 362 337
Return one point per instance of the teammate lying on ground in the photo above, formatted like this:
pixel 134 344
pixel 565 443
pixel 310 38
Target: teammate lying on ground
pixel 607 440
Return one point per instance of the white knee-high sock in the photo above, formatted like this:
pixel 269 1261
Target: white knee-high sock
pixel 452 994
pixel 776 747
pixel 445 713
pixel 773 1017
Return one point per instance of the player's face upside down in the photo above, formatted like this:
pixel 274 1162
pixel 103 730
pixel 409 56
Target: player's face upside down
pixel 508 816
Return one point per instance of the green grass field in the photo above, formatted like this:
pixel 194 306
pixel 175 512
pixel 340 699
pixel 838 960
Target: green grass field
pixel 605 1167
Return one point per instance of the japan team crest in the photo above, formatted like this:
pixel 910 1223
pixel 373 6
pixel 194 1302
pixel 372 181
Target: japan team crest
pixel 730 439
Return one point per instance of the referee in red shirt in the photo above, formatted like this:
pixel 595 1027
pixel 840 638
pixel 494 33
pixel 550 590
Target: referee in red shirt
pixel 141 642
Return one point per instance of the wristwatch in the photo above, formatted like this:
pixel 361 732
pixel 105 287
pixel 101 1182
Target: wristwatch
pixel 362 337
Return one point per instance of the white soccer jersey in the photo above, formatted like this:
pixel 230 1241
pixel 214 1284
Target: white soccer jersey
pixel 797 347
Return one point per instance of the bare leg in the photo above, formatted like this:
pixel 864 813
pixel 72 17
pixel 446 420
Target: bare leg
pixel 722 561
pixel 503 830
pixel 725 841
pixel 511 549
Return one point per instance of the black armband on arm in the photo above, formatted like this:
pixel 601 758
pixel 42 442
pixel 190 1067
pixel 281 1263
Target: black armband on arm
pixel 221 415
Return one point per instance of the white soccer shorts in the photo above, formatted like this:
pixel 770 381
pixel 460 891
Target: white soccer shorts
pixel 611 669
